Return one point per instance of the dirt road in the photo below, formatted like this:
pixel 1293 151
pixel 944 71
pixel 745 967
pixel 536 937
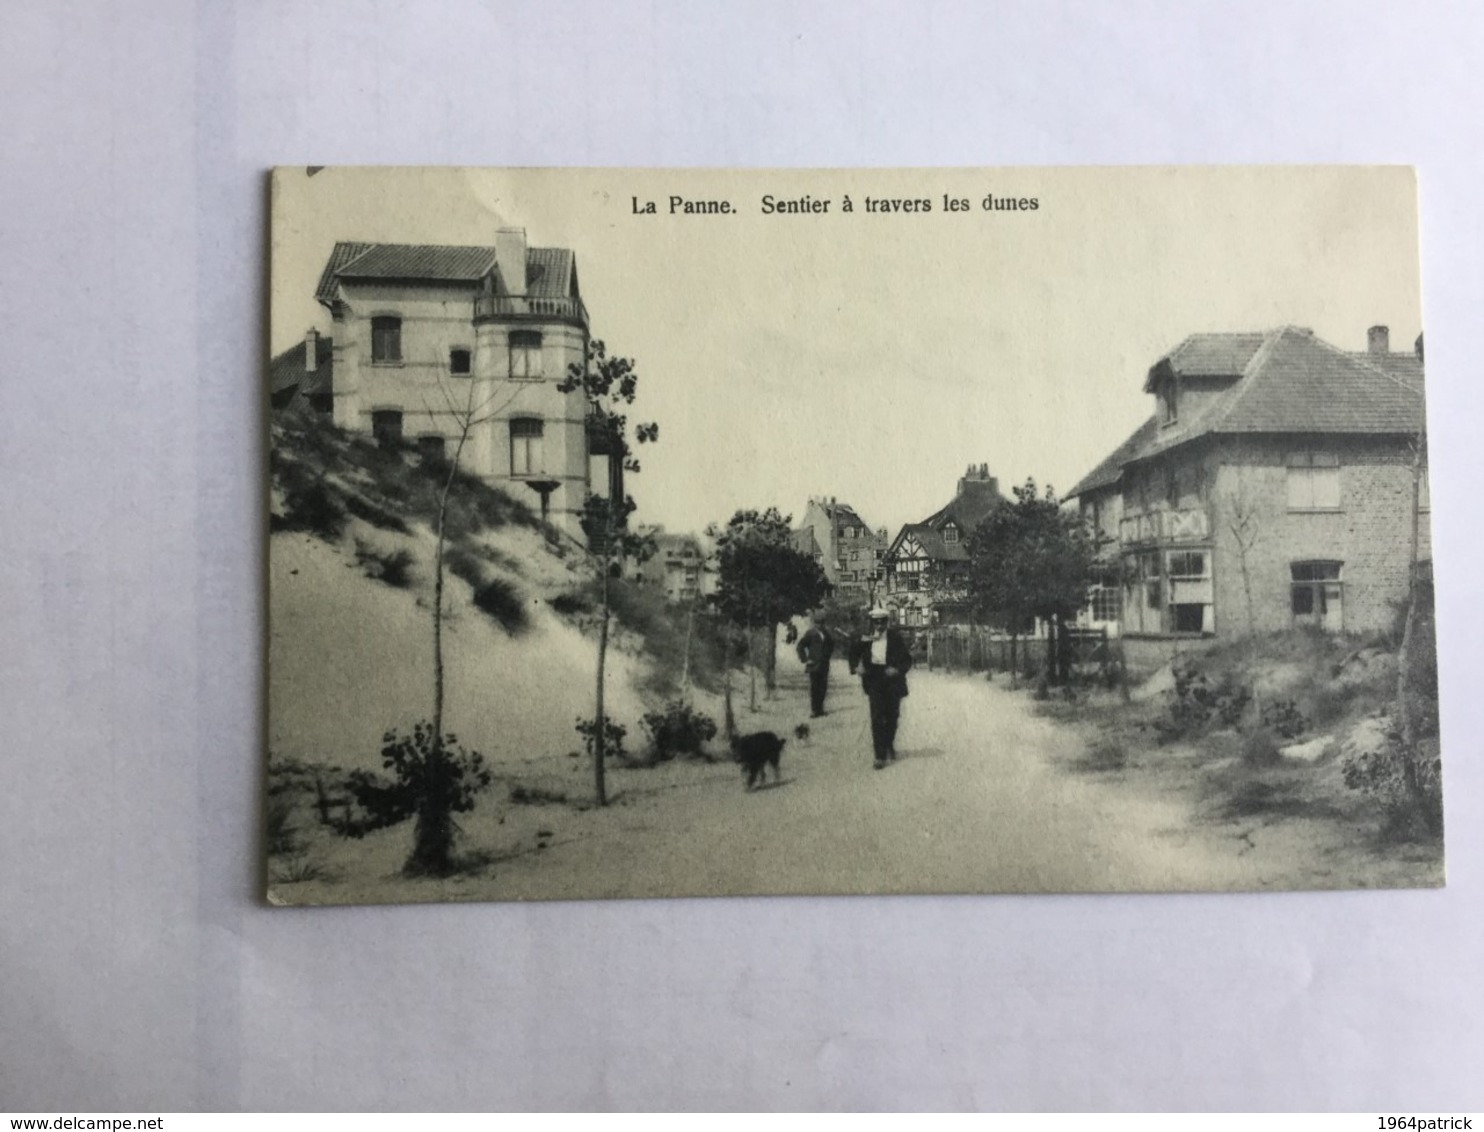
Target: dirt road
pixel 980 801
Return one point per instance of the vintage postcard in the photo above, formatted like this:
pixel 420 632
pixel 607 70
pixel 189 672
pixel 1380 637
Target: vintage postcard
pixel 642 533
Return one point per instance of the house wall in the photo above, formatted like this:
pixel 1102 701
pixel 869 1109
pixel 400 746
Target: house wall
pixel 1370 534
pixel 436 320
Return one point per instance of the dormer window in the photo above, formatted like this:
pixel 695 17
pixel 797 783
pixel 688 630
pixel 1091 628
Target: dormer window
pixel 460 362
pixel 1168 410
pixel 950 533
pixel 386 340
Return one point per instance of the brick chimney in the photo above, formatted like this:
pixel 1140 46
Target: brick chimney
pixel 510 258
pixel 311 350
pixel 977 474
pixel 1378 340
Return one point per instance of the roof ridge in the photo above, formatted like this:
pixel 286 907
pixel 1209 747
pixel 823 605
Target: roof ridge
pixel 1250 371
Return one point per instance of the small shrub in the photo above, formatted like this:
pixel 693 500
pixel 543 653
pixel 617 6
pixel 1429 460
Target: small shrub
pixel 392 567
pixel 312 507
pixel 1284 718
pixel 377 516
pixel 503 602
pixel 1384 776
pixel 613 737
pixel 678 730
pixel 383 801
pixel 463 564
pixel 1198 702
pixel 281 833
pixel 571 603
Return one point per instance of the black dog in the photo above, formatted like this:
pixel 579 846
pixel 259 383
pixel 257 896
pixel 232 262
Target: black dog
pixel 756 752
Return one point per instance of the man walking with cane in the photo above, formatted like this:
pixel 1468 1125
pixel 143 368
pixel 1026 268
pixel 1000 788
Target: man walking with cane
pixel 816 647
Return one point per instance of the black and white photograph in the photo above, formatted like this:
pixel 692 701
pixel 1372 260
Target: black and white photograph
pixel 652 533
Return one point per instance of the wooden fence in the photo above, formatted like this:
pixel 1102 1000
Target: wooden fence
pixel 1090 654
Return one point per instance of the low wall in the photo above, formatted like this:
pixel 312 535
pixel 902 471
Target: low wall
pixel 1143 655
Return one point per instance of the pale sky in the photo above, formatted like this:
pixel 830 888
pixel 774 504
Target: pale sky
pixel 873 356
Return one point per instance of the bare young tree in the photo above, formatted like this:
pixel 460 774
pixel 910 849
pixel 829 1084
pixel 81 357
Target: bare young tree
pixel 432 851
pixel 1243 521
pixel 608 384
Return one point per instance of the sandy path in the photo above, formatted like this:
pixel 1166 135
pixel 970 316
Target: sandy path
pixel 976 804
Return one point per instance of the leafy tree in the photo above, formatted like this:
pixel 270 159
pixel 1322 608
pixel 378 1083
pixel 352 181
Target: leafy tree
pixel 762 580
pixel 607 385
pixel 1031 559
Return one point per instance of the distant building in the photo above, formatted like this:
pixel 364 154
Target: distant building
pixel 1275 464
pixel 927 563
pixel 846 548
pixel 681 566
pixel 422 331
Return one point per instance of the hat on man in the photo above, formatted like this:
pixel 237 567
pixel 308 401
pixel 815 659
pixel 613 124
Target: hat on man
pixel 879 614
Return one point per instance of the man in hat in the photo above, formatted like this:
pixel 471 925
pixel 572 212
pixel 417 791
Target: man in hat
pixel 816 647
pixel 882 658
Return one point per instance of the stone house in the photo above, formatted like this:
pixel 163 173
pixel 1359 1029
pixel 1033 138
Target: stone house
pixel 1272 487
pixel 927 563
pixel 848 551
pixel 424 332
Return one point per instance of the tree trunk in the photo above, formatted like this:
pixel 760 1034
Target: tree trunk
pixel 1411 770
pixel 432 847
pixel 751 668
pixel 690 624
pixel 770 671
pixel 1014 660
pixel 600 737
pixel 726 686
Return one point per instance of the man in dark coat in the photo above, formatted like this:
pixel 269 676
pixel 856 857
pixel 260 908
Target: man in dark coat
pixel 816 647
pixel 882 658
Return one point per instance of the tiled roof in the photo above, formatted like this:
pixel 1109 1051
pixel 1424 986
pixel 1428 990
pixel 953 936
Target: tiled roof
pixel 1212 355
pixel 1110 471
pixel 1406 367
pixel 1293 383
pixel 289 381
pixel 975 500
pixel 420 261
pixel 345 251
pixel 1299 383
pixel 550 272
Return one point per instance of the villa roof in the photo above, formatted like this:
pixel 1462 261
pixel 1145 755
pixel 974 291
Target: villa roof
pixel 1292 383
pixel 550 272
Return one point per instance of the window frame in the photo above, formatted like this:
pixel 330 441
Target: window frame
pixel 1304 468
pixel 468 370
pixel 521 435
pixel 380 324
pixel 380 435
pixel 526 345
pixel 1325 580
